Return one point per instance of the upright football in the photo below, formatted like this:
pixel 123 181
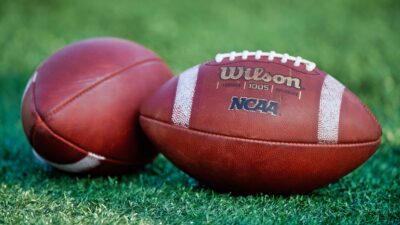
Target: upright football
pixel 260 122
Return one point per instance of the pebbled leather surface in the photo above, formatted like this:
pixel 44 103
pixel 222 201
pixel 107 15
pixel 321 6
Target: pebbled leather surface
pixel 86 98
pixel 231 150
pixel 297 120
pixel 247 166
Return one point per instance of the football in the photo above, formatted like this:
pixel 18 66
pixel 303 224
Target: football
pixel 80 109
pixel 252 122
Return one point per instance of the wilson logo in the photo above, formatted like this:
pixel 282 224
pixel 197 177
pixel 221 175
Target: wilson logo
pixel 258 74
pixel 254 105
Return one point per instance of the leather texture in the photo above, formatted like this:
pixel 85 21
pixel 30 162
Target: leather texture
pixel 251 151
pixel 86 97
pixel 249 166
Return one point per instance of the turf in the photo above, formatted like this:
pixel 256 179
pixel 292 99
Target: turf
pixel 358 42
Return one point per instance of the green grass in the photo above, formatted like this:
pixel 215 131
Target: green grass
pixel 358 42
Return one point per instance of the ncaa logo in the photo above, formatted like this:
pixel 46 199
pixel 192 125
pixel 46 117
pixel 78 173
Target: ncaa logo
pixel 254 105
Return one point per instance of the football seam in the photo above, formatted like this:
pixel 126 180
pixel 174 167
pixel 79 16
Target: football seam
pixel 40 120
pixel 371 115
pixel 83 91
pixel 354 144
pixel 260 61
pixel 77 147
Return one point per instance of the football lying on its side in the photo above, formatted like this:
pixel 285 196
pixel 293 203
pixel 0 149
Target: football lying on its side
pixel 80 109
pixel 260 122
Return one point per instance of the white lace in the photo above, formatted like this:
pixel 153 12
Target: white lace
pixel 270 56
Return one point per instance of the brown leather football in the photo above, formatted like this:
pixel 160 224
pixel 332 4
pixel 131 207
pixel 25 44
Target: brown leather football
pixel 80 109
pixel 260 122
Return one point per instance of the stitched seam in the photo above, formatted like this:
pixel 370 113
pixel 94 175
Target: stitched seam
pixel 78 148
pixel 261 61
pixel 372 116
pixel 64 140
pixel 70 99
pixel 264 141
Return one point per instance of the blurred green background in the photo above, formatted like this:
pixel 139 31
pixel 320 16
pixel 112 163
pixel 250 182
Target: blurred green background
pixel 358 42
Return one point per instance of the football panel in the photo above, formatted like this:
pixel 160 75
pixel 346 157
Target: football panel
pixel 53 147
pixel 357 123
pixel 63 155
pixel 251 108
pixel 160 104
pixel 104 119
pixel 248 166
pixel 82 64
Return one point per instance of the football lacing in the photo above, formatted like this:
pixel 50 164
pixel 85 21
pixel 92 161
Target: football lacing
pixel 310 66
